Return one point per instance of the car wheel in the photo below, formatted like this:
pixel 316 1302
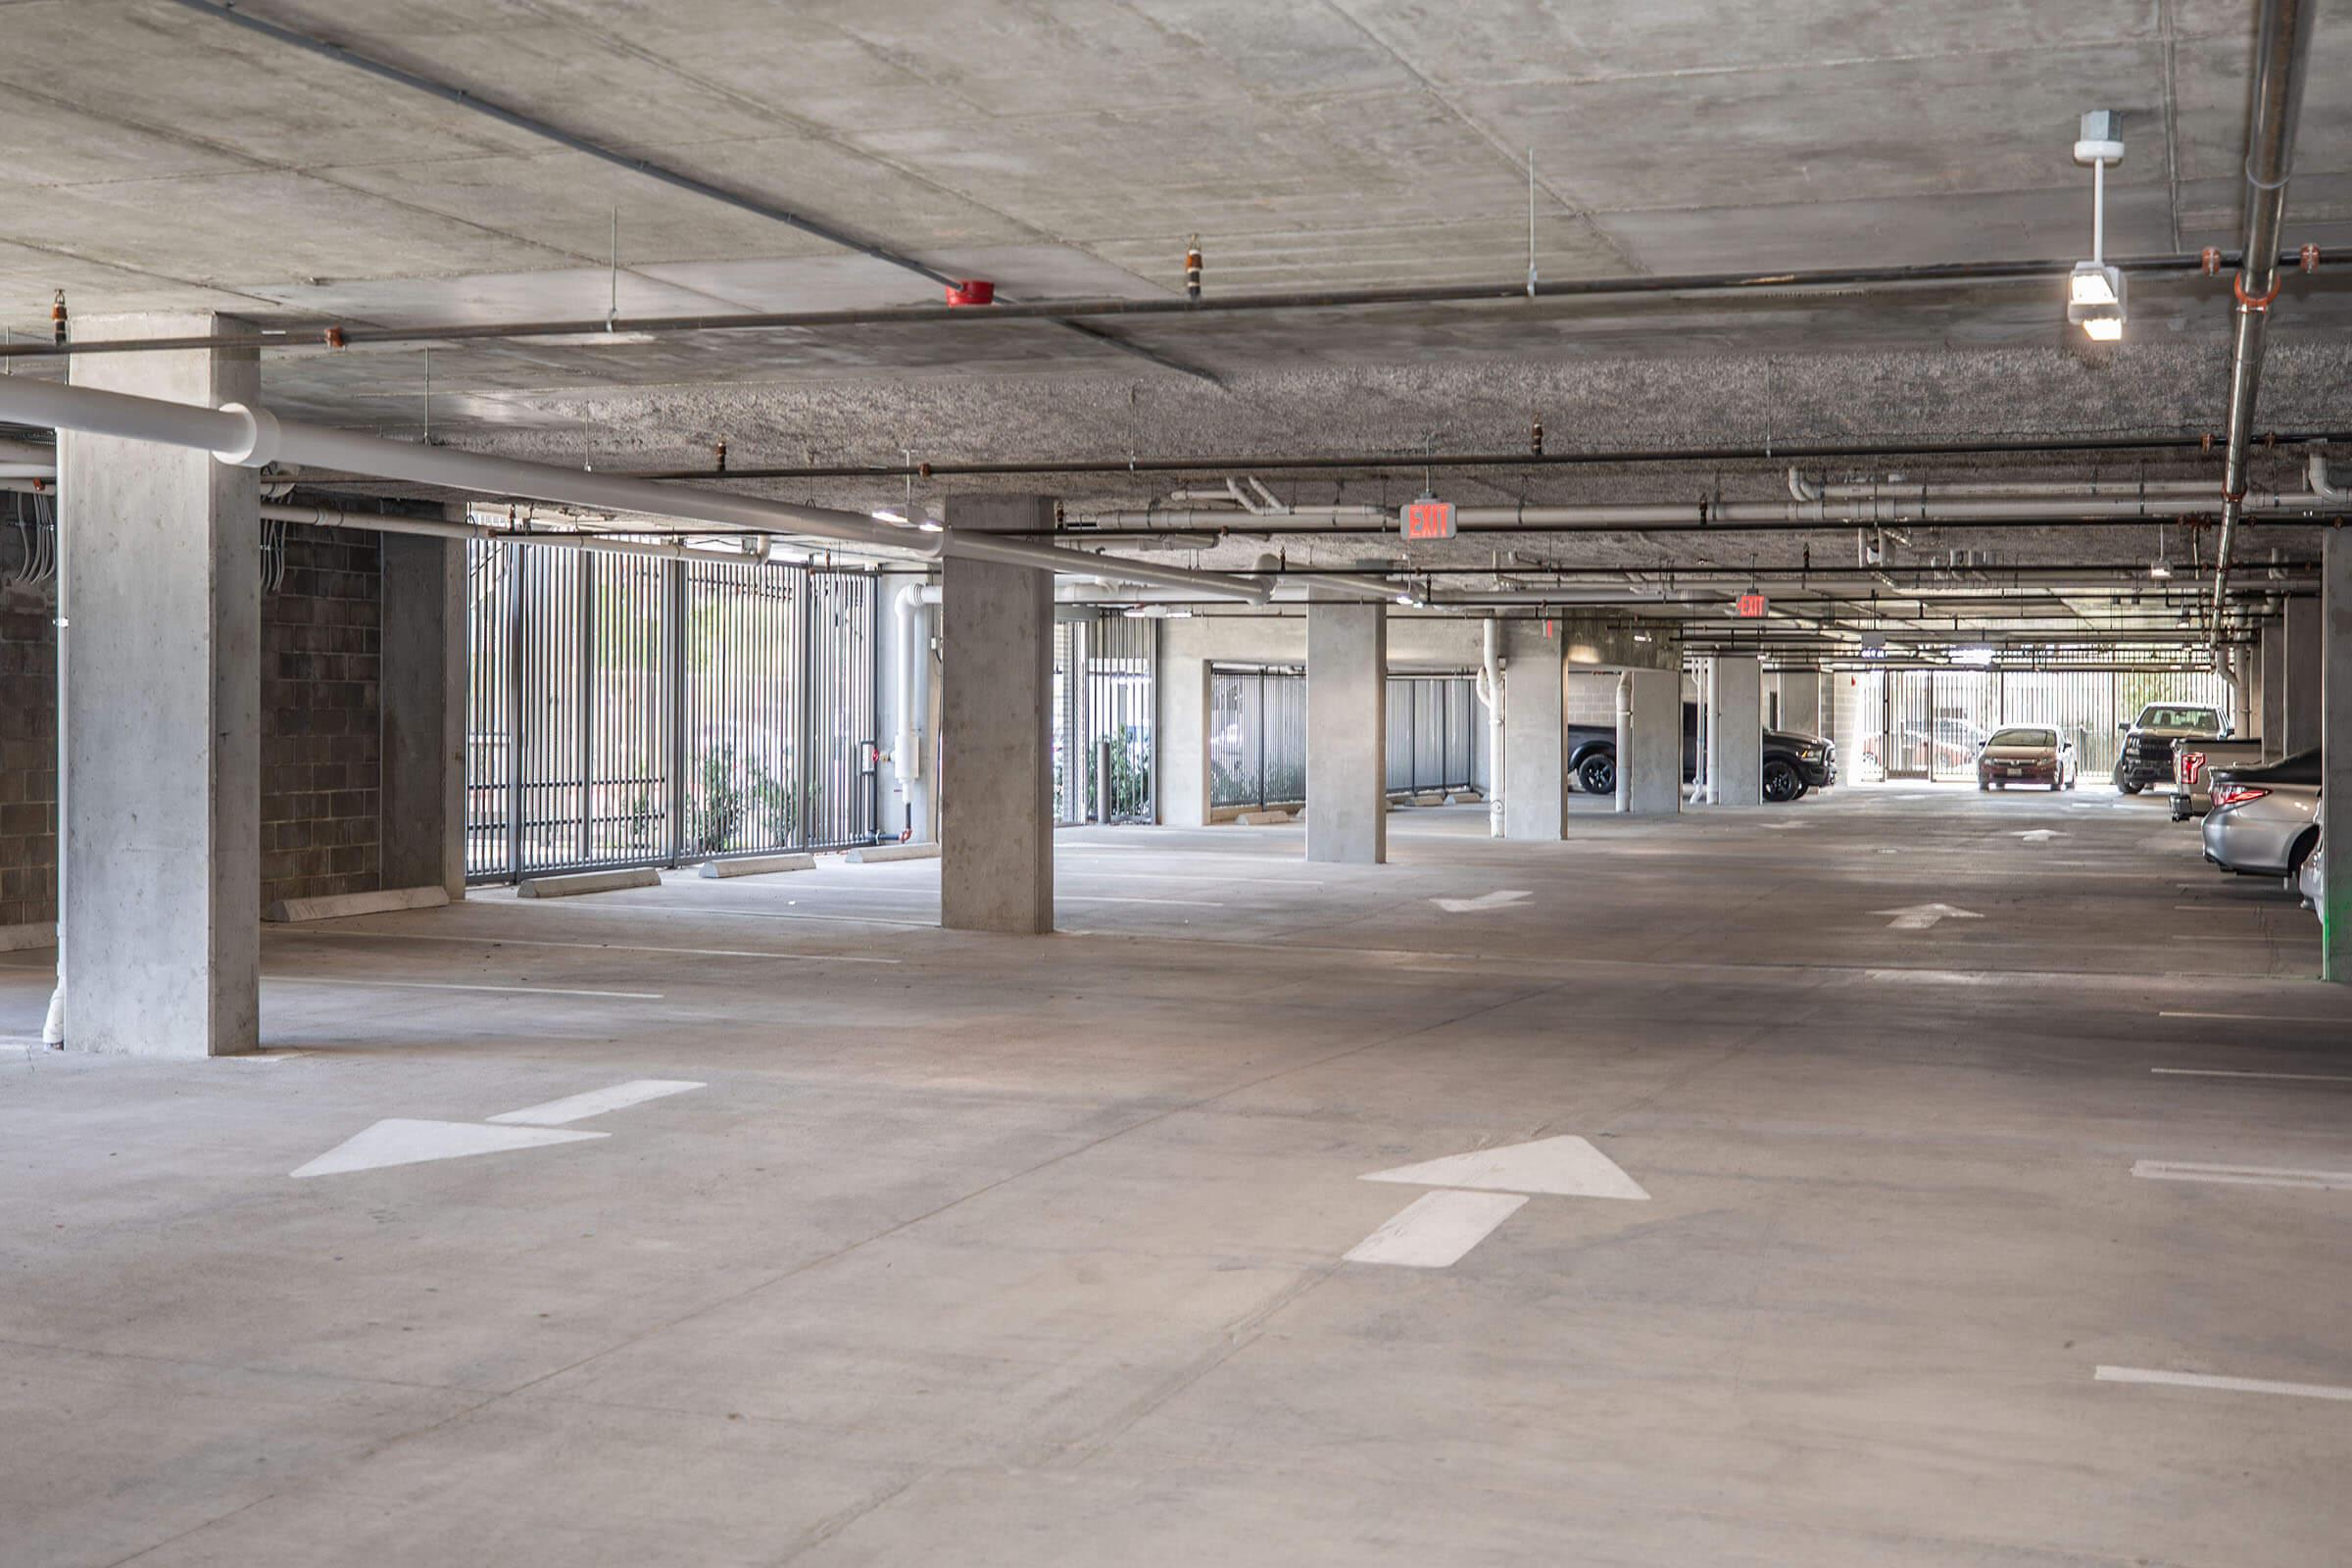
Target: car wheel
pixel 2128 787
pixel 1781 782
pixel 1597 775
pixel 1984 788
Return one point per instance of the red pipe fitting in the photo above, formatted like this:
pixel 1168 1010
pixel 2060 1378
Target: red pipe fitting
pixel 2237 286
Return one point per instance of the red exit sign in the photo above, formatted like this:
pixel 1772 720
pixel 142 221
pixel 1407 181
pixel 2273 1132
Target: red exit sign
pixel 1429 519
pixel 1751 605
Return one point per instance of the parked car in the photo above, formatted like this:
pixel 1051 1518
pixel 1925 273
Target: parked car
pixel 2147 753
pixel 2265 819
pixel 2027 753
pixel 1794 762
pixel 2311 880
pixel 2194 763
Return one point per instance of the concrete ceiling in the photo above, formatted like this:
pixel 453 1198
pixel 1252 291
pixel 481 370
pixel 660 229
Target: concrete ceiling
pixel 159 159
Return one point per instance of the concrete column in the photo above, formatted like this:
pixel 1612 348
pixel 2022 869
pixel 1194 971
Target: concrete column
pixel 1348 732
pixel 996 766
pixel 1736 732
pixel 2273 718
pixel 2301 731
pixel 1180 748
pixel 1800 700
pixel 2335 764
pixel 1649 745
pixel 161 864
pixel 1534 736
pixel 423 693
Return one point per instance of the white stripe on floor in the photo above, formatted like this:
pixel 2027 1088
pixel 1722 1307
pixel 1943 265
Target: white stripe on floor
pixel 2175 1170
pixel 594 947
pixel 1105 897
pixel 2251 1017
pixel 596 1101
pixel 2202 1380
pixel 2240 1072
pixel 1436 1229
pixel 442 985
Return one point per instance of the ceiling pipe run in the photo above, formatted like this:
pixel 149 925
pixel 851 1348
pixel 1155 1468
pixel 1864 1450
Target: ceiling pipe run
pixel 2279 53
pixel 255 438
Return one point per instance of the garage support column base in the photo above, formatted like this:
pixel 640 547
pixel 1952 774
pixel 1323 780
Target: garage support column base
pixel 1649 745
pixel 1348 732
pixel 996 764
pixel 1535 735
pixel 2335 763
pixel 159 611
pixel 1736 732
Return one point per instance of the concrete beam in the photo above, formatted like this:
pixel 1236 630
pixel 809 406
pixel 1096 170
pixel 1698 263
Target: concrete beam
pixel 1348 732
pixel 1535 734
pixel 159 870
pixel 996 784
pixel 2335 764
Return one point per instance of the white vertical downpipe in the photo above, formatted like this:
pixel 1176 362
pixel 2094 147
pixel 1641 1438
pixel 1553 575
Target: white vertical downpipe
pixel 1490 692
pixel 53 1024
pixel 1625 739
pixel 911 632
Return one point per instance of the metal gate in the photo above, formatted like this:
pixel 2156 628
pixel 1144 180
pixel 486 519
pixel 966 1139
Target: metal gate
pixel 1256 736
pixel 632 710
pixel 1927 723
pixel 1432 733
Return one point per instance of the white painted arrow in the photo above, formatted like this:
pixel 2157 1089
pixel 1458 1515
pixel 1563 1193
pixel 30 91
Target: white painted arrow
pixel 1436 1230
pixel 1485 901
pixel 2041 835
pixel 1923 916
pixel 403 1141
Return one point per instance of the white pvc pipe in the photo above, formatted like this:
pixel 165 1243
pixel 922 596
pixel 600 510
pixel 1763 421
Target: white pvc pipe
pixel 1490 692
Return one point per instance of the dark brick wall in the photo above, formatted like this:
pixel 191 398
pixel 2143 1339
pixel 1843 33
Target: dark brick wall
pixel 321 753
pixel 27 739
pixel 322 757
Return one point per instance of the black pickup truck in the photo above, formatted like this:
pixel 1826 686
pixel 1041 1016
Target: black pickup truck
pixel 1793 763
pixel 2146 754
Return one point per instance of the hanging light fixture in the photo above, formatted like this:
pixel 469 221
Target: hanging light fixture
pixel 2094 292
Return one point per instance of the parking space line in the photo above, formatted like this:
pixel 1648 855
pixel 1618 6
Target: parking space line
pixel 2256 1017
pixel 2240 1072
pixel 1106 898
pixel 2177 1170
pixel 595 947
pixel 2203 1380
pixel 444 985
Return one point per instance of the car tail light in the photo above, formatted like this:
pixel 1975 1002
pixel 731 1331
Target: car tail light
pixel 2191 765
pixel 2238 794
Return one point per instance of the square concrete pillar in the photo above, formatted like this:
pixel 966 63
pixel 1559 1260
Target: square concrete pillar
pixel 161 871
pixel 1348 732
pixel 1800 700
pixel 2335 764
pixel 2303 676
pixel 996 762
pixel 2272 720
pixel 1649 745
pixel 1181 744
pixel 1535 733
pixel 1736 732
pixel 423 694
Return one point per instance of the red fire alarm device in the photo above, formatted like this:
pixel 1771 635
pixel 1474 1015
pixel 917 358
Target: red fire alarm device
pixel 972 291
pixel 1429 519
pixel 1751 605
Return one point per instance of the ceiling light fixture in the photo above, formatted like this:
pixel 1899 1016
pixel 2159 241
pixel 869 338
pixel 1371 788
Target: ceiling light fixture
pixel 2094 291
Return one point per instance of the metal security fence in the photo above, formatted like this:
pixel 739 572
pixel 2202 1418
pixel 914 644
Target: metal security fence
pixel 631 710
pixel 1258 734
pixel 1927 723
pixel 1432 733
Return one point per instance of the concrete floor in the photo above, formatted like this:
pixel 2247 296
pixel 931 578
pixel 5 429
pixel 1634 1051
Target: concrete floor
pixel 988 1252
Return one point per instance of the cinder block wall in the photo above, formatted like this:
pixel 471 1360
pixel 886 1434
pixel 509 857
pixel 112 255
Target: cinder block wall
pixel 321 730
pixel 322 757
pixel 28 741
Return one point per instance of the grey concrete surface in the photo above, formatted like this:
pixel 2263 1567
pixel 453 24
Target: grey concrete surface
pixel 2304 637
pixel 1534 736
pixel 162 772
pixel 2271 651
pixel 1649 745
pixel 423 693
pixel 1348 732
pixel 1028 1252
pixel 996 754
pixel 1735 732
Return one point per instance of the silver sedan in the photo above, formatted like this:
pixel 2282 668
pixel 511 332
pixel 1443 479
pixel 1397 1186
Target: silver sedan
pixel 2263 820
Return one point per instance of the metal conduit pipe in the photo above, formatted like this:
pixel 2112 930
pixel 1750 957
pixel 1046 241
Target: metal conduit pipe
pixel 2279 53
pixel 255 437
